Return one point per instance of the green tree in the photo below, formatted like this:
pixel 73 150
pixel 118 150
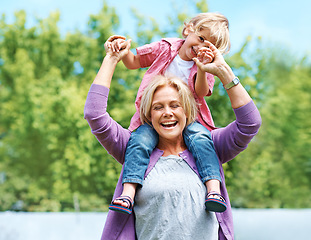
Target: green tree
pixel 48 157
pixel 275 170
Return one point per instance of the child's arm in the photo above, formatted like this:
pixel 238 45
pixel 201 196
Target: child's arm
pixel 130 60
pixel 205 55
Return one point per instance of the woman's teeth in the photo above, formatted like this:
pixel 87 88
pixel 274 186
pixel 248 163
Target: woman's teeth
pixel 169 124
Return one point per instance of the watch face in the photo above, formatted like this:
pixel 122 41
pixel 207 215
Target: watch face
pixel 235 81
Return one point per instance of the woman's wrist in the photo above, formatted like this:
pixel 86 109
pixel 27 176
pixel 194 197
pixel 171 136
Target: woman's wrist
pixel 225 74
pixel 111 60
pixel 106 71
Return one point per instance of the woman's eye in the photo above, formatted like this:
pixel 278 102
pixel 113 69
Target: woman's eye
pixel 175 106
pixel 157 107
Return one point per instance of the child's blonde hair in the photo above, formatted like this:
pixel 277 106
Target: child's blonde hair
pixel 218 25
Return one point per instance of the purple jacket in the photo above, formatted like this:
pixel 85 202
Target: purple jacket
pixel 229 142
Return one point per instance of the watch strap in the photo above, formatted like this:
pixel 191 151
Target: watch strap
pixel 233 83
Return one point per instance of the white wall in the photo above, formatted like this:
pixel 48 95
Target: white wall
pixel 250 224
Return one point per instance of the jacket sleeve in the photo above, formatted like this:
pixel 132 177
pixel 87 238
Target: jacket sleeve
pixel 210 81
pixel 148 53
pixel 234 138
pixel 111 135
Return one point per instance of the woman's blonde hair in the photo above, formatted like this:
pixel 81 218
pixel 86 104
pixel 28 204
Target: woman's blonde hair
pixel 186 97
pixel 218 25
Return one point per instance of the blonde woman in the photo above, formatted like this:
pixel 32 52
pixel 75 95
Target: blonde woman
pixel 170 204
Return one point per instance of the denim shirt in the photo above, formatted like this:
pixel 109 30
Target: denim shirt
pixel 228 141
pixel 158 56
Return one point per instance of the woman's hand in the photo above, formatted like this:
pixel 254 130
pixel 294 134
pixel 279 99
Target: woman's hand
pixel 116 47
pixel 105 73
pixel 114 42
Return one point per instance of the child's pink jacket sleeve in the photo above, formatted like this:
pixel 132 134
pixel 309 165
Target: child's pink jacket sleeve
pixel 148 53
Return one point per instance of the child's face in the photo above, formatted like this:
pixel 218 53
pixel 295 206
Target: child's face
pixel 194 41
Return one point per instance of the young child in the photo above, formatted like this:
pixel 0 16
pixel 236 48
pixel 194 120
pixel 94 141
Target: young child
pixel 176 56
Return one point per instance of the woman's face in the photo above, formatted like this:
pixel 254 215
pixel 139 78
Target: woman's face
pixel 167 114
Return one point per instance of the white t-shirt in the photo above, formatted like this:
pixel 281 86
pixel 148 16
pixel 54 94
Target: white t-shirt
pixel 170 204
pixel 180 68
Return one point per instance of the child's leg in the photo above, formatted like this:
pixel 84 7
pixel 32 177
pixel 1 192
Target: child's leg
pixel 129 190
pixel 212 185
pixel 199 142
pixel 137 156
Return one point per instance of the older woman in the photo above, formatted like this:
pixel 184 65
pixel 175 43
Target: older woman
pixel 169 205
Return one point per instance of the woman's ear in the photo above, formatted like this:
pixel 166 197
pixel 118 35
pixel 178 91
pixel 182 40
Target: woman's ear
pixel 149 118
pixel 150 124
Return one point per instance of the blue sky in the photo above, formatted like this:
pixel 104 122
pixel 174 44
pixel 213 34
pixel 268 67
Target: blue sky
pixel 282 23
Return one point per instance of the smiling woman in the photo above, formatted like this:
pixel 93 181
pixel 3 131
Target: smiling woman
pixel 172 199
pixel 171 184
pixel 187 102
pixel 167 115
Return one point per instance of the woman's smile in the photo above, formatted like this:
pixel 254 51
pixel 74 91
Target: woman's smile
pixel 169 124
pixel 167 114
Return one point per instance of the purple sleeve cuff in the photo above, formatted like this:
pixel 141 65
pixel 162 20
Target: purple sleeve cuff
pixel 99 89
pixel 246 109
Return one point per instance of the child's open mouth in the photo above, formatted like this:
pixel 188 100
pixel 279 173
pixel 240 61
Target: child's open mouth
pixel 194 52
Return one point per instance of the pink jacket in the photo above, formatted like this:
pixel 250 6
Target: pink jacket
pixel 158 56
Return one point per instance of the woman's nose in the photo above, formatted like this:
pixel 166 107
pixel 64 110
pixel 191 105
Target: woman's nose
pixel 167 111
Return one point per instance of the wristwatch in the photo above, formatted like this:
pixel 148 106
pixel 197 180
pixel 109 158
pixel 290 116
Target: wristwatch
pixel 234 82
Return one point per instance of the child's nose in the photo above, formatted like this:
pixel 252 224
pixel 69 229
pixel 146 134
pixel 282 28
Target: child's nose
pixel 204 44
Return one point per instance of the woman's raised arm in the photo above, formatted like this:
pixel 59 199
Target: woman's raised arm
pixel 234 138
pixel 112 136
pixel 237 94
pixel 109 63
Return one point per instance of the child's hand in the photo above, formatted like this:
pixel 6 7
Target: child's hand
pixel 117 47
pixel 216 66
pixel 205 55
pixel 117 43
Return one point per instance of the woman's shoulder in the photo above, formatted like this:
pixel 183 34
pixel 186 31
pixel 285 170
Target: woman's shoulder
pixel 111 135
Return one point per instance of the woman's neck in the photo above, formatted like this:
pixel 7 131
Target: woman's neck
pixel 171 147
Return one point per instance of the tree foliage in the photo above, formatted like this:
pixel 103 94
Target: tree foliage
pixel 49 159
pixel 276 166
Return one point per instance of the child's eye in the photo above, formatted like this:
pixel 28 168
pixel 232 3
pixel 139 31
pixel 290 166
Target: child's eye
pixel 201 39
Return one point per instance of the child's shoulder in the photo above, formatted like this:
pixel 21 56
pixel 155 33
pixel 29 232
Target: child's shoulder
pixel 173 43
pixel 172 40
pixel 163 44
